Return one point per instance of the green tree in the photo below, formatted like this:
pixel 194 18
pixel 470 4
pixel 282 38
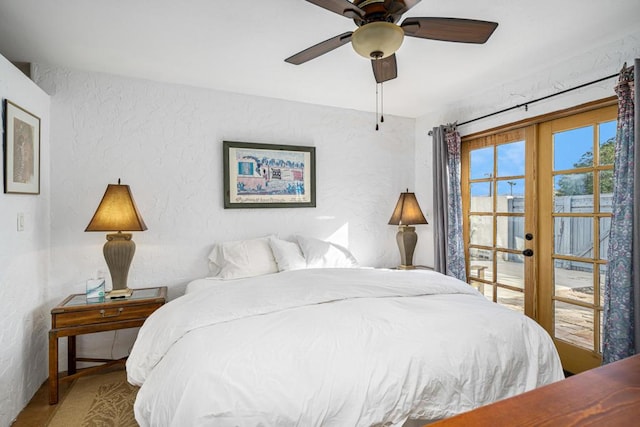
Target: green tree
pixel 576 184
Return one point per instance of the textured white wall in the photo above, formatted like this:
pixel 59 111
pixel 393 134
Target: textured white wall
pixel 591 64
pixel 165 141
pixel 24 316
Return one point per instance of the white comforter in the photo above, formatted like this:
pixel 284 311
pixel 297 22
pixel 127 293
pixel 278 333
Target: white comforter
pixel 333 347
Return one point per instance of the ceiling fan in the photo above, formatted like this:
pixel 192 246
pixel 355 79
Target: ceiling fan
pixel 378 36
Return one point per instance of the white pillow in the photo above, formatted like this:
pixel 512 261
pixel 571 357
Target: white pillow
pixel 321 254
pixel 287 254
pixel 242 258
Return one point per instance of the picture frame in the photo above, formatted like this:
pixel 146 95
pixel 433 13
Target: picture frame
pixel 268 175
pixel 21 150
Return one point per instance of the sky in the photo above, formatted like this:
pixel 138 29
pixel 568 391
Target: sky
pixel 568 147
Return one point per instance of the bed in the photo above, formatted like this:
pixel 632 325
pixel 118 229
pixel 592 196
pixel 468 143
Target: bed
pixel 332 347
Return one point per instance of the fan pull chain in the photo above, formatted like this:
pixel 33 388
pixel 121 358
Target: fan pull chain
pixel 377 127
pixel 379 98
pixel 382 102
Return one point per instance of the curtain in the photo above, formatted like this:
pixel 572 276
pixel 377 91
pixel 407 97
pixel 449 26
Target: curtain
pixel 447 203
pixel 621 329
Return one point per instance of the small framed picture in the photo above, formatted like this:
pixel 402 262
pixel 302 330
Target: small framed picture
pixel 268 175
pixel 21 150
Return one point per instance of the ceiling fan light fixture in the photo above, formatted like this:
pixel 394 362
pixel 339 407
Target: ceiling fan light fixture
pixel 375 37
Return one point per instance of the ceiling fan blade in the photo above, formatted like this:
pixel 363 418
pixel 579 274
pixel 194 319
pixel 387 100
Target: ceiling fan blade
pixel 320 49
pixel 449 29
pixel 385 69
pixel 399 7
pixel 341 7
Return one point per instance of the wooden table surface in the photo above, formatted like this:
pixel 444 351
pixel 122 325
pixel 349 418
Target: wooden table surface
pixel 605 396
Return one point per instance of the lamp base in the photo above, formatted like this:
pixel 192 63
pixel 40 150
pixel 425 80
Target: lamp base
pixel 120 293
pixel 406 239
pixel 118 252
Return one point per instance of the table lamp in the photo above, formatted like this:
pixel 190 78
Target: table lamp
pixel 407 213
pixel 118 212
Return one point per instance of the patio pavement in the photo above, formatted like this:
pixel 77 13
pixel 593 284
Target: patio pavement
pixel 573 323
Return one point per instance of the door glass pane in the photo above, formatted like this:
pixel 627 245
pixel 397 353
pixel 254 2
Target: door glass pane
pixel 481 163
pixel 510 232
pixel 510 196
pixel 478 286
pixel 573 148
pixel 606 190
pixel 568 188
pixel 602 268
pixel 484 288
pixel 600 341
pixel 511 187
pixel 481 230
pixel 574 324
pixel 481 199
pixel 573 280
pixel 605 228
pixel 510 269
pixel 481 264
pixel 511 299
pixel 607 142
pixel 511 159
pixel 573 236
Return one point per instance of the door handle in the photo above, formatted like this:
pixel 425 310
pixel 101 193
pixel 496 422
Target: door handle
pixel 527 252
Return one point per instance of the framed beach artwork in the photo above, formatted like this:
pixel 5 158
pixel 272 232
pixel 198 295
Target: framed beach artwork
pixel 268 175
pixel 21 150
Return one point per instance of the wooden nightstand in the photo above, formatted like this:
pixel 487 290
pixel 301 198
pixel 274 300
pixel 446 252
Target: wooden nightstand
pixel 76 316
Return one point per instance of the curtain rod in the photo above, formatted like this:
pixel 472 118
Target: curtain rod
pixel 526 104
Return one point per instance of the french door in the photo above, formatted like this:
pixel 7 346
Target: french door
pixel 537 205
pixel 576 183
pixel 499 226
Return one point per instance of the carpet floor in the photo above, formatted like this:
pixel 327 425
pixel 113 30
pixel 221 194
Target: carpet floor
pixel 103 400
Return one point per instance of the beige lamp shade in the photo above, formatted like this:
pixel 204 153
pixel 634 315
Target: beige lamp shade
pixel 117 211
pixel 377 39
pixel 407 211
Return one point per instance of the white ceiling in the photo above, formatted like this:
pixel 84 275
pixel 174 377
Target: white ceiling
pixel 240 45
